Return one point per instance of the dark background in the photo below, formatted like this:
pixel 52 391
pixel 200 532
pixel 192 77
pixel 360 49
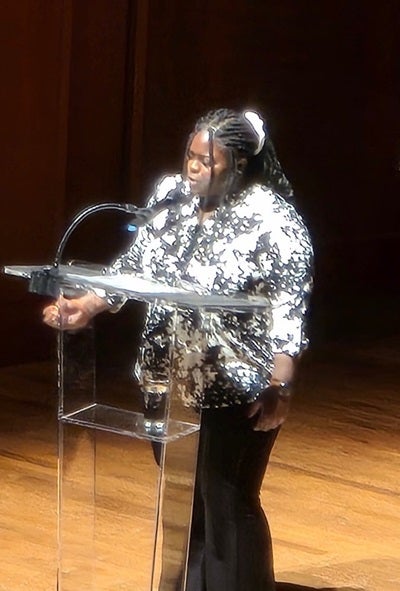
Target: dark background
pixel 98 97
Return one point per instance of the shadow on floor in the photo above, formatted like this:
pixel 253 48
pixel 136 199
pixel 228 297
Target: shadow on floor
pixel 282 586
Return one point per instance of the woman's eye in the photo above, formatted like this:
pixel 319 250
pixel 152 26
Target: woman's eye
pixel 203 160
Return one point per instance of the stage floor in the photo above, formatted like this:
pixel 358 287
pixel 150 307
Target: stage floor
pixel 331 493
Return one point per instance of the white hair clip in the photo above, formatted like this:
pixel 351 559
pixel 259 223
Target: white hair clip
pixel 258 125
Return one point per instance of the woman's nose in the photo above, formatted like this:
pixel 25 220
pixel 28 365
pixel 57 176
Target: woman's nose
pixel 193 165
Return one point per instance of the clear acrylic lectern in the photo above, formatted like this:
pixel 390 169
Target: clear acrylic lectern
pixel 126 474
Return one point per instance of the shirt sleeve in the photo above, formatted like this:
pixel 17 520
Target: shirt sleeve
pixel 289 280
pixel 132 260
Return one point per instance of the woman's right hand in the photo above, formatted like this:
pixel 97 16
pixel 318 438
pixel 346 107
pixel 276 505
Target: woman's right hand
pixel 75 313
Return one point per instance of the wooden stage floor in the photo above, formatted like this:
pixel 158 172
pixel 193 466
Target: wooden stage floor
pixel 331 493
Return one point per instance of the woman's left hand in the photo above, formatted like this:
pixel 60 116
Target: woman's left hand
pixel 270 409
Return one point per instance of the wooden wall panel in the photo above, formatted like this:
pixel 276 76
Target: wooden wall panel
pixel 96 125
pixel 98 121
pixel 63 143
pixel 33 116
pixel 33 111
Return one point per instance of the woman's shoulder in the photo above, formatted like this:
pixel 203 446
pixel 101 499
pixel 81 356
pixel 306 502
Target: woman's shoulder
pixel 162 187
pixel 167 183
pixel 263 199
pixel 266 198
pixel 272 208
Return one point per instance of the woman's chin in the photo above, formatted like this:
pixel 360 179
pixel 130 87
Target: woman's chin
pixel 194 187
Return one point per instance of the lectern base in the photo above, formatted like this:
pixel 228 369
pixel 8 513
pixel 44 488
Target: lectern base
pixel 123 519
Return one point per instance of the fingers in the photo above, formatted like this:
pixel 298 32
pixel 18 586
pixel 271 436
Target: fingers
pixel 253 409
pixel 264 421
pixel 266 424
pixel 57 315
pixel 64 314
pixel 64 305
pixel 51 316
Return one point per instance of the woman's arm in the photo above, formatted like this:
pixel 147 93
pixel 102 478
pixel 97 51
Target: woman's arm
pixel 290 276
pixel 271 408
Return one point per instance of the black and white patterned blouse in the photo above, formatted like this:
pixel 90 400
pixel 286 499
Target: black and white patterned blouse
pixel 256 244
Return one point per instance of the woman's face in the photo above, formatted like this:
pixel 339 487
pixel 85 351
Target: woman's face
pixel 198 166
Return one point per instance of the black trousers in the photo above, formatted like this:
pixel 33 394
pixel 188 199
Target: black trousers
pixel 230 544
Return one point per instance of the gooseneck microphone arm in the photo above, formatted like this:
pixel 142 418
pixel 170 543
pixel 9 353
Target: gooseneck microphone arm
pixel 125 207
pixel 46 280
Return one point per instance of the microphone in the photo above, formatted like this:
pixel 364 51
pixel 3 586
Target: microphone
pixel 178 196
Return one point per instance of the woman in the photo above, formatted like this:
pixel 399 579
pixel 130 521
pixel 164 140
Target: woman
pixel 234 232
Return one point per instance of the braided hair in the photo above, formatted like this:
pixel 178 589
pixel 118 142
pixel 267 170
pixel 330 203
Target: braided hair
pixel 237 136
